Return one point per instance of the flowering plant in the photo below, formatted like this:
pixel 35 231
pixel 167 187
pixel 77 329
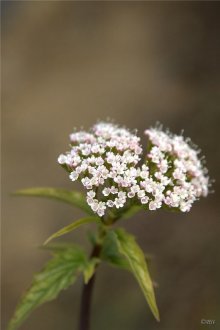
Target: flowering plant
pixel 108 161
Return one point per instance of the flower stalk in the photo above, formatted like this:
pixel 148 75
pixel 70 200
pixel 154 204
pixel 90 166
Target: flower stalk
pixel 86 298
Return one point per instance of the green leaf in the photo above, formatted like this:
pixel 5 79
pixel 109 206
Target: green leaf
pixel 89 269
pixel 111 254
pixel 58 274
pixel 135 256
pixel 71 227
pixel 89 265
pixel 74 198
pixel 60 247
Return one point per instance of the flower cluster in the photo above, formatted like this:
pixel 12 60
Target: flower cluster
pixel 106 161
pixel 177 168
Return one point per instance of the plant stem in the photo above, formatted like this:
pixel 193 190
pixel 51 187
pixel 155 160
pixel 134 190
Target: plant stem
pixel 84 321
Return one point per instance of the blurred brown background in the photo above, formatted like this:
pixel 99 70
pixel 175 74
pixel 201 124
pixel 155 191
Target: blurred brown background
pixel 67 64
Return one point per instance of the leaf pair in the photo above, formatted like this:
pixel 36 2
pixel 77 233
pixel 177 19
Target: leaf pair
pixel 58 274
pixel 119 249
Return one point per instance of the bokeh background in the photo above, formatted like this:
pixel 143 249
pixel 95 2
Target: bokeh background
pixel 69 64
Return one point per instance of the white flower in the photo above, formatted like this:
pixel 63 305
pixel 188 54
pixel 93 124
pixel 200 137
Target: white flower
pixel 141 193
pixel 152 206
pixel 114 190
pixel 178 174
pixel 90 201
pixel 110 157
pixel 73 176
pixel 144 174
pixel 86 182
pixel 163 166
pixel 94 205
pixel 106 191
pixel 101 209
pixel 119 203
pixel 91 194
pixel 185 206
pixel 122 194
pixel 62 159
pixel 144 200
pixel 156 155
pixel 110 203
pixel 99 161
pixel 131 194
